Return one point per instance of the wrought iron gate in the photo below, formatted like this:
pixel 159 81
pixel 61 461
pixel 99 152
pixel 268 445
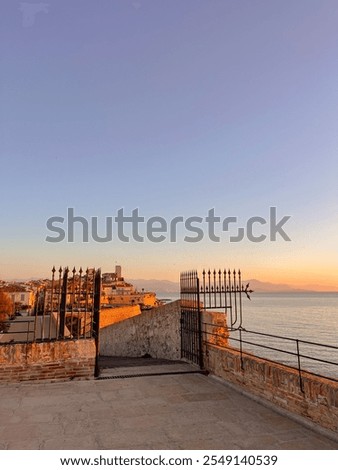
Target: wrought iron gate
pixel 191 327
pixel 217 290
pixel 67 306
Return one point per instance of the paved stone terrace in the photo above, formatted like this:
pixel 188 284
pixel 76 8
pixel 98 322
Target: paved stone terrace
pixel 188 411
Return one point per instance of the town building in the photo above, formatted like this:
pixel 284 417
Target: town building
pixel 21 295
pixel 117 292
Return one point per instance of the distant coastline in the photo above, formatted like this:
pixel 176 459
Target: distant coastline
pixel 166 287
pixel 170 287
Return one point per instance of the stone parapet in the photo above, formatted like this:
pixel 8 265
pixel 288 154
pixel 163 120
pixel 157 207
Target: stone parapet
pixel 53 360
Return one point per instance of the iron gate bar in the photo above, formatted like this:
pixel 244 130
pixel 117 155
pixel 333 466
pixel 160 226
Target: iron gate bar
pixel 63 306
pixel 78 303
pixel 86 300
pixel 72 301
pixel 51 302
pixel 96 318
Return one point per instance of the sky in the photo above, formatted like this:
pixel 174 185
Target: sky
pixel 174 108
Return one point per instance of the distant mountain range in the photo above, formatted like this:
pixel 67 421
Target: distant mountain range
pixel 260 286
pixel 170 287
pixel 155 285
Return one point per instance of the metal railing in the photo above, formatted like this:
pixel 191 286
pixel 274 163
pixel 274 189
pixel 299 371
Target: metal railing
pixel 24 335
pixel 299 356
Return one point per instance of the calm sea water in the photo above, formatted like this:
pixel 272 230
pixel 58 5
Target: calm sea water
pixel 309 317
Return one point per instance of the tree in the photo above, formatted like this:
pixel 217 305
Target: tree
pixel 6 306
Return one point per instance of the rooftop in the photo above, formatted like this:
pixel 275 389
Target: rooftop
pixel 169 411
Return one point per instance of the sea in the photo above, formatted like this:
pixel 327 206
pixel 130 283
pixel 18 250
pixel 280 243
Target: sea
pixel 311 318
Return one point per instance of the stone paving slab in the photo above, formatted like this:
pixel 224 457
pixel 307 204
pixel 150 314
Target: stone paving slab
pixel 188 411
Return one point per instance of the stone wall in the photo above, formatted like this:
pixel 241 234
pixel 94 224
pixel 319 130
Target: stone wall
pixel 56 360
pixel 278 384
pixel 155 332
pixel 214 328
pixel 109 316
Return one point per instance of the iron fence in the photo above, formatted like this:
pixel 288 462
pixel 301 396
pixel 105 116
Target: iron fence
pixel 222 289
pixel 66 307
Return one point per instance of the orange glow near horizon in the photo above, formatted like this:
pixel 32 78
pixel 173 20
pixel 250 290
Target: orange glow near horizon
pixel 295 278
pixel 295 273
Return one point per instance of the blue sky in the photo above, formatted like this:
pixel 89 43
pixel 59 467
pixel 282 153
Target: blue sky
pixel 174 107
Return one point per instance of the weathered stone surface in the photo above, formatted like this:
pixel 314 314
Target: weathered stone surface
pixel 155 332
pixel 55 360
pixel 163 412
pixel 278 384
pixel 109 316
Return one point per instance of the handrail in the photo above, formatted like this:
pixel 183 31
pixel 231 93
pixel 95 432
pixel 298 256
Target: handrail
pixel 288 338
pixel 26 331
pixel 297 343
